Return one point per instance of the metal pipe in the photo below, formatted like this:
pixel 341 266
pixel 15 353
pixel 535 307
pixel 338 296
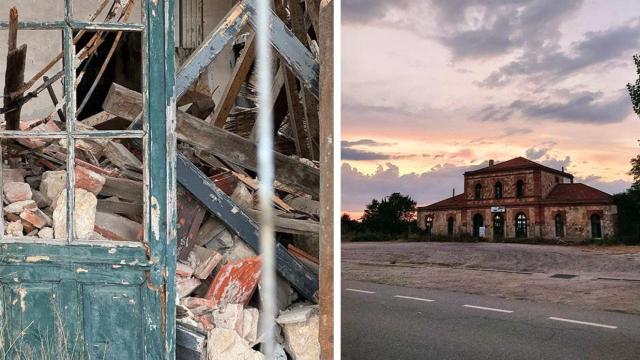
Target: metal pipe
pixel 266 177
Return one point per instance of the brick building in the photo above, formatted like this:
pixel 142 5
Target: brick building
pixel 520 198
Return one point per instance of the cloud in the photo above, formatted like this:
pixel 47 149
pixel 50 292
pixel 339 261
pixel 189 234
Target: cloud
pixel 597 47
pixel 581 107
pixel 356 154
pixel 430 186
pixel 364 11
pixel 349 151
pixel 611 187
pixel 534 154
pixel 364 142
pixel 481 28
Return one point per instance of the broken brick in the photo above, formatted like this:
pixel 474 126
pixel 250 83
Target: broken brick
pixel 36 217
pixel 236 282
pixel 116 227
pixel 16 191
pixel 19 206
pixel 89 180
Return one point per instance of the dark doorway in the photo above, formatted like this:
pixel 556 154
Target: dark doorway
pixel 498 190
pixel 450 222
pixel 596 226
pixel 559 226
pixel 498 226
pixel 478 222
pixel 520 189
pixel 521 225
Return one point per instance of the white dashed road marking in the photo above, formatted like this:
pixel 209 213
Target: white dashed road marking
pixel 413 298
pixel 584 323
pixel 362 291
pixel 488 308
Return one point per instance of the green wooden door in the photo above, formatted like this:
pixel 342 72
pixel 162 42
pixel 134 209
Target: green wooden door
pixel 88 297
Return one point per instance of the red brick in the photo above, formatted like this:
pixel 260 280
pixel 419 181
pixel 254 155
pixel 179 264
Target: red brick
pixel 36 217
pixel 236 282
pixel 89 180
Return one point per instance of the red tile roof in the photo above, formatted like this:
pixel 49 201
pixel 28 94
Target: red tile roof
pixel 452 202
pixel 577 193
pixel 518 163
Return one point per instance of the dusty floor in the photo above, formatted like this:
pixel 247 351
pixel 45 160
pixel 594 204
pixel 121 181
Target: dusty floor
pixel 607 278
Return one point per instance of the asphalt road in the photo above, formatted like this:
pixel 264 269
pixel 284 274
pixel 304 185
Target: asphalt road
pixel 389 322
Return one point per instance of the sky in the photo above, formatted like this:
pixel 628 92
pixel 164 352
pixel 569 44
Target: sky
pixel 431 89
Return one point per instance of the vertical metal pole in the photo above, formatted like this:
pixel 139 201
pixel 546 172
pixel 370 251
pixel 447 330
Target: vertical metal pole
pixel 266 177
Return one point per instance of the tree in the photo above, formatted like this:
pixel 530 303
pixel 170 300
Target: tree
pixel 634 90
pixel 392 215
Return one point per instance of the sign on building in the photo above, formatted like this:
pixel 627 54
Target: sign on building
pixel 497 209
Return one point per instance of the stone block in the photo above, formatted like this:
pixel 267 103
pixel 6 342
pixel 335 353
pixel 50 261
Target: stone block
pixel 230 316
pixel 45 233
pixel 13 175
pixel 84 214
pixel 14 228
pixel 301 339
pixel 52 184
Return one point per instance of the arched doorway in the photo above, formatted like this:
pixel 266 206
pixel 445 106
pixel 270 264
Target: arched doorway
pixel 521 225
pixel 498 226
pixel 596 226
pixel 478 222
pixel 450 222
pixel 428 224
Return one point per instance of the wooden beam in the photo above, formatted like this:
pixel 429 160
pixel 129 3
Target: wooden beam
pixel 14 74
pixel 298 58
pixel 309 103
pixel 238 76
pixel 290 226
pixel 240 151
pixel 221 205
pixel 312 8
pixel 226 30
pixel 296 115
pixel 224 144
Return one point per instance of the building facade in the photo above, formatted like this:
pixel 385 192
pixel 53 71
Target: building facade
pixel 520 198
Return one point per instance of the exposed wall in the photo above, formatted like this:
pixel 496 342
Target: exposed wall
pixel 508 181
pixel 578 220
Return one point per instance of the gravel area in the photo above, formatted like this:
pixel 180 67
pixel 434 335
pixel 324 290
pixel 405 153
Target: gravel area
pixel 603 276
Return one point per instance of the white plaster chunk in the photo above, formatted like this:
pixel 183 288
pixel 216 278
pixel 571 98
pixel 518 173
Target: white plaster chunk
pixel 84 214
pixel 296 315
pixel 19 206
pixel 230 317
pixel 45 233
pixel 52 184
pixel 250 325
pixel 225 344
pixel 14 228
pixel 301 339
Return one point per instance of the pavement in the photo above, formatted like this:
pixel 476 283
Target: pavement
pixel 391 322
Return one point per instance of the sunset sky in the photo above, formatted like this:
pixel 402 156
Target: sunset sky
pixel 431 89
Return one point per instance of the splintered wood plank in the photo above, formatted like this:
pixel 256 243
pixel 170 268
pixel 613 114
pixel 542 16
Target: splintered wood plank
pixel 296 115
pixel 236 282
pixel 190 216
pixel 238 76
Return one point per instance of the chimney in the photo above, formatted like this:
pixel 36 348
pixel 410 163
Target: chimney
pixel 454 192
pixel 491 162
pixel 563 169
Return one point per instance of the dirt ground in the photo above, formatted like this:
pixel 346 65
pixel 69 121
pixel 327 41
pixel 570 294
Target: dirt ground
pixel 606 278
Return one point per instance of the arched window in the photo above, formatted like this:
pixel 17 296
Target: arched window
pixel 478 222
pixel 520 189
pixel 478 191
pixel 596 226
pixel 559 226
pixel 428 223
pixel 498 190
pixel 450 222
pixel 521 225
